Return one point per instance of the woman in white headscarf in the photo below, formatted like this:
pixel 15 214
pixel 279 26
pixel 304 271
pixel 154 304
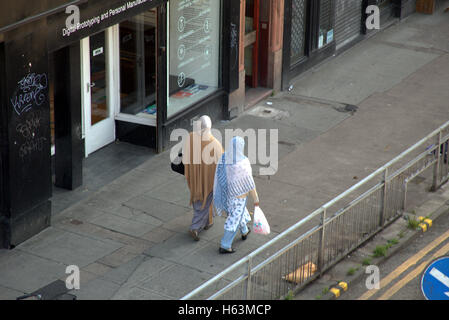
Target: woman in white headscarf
pixel 201 154
pixel 233 183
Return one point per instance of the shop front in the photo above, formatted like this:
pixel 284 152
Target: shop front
pixel 147 70
pixel 309 36
pixel 260 62
pixel 107 70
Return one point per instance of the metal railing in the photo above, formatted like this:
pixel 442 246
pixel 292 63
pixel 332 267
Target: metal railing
pixel 316 243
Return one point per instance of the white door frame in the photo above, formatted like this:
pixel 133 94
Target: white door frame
pixel 102 133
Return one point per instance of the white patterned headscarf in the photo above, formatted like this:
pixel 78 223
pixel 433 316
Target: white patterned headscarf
pixel 233 177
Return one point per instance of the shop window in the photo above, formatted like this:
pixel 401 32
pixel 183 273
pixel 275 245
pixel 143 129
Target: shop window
pixel 194 52
pixel 138 42
pixel 298 31
pixel 326 23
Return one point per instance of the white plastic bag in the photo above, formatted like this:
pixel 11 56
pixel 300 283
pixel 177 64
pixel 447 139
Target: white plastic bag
pixel 260 224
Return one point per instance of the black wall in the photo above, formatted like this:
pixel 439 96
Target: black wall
pixel 230 43
pixel 27 185
pixel 17 10
pixel 68 128
pixel 4 165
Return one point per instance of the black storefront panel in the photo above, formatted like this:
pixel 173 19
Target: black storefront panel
pixel 12 12
pixel 348 19
pixel 4 166
pixel 26 141
pixel 231 38
pixel 67 115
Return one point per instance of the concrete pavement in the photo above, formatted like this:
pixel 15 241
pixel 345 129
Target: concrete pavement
pixel 130 238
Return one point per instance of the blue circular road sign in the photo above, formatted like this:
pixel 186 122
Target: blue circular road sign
pixel 435 280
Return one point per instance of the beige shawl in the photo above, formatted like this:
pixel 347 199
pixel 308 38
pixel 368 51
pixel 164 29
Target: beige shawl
pixel 200 175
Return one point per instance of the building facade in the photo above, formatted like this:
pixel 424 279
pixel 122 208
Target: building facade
pixel 77 75
pixel 315 30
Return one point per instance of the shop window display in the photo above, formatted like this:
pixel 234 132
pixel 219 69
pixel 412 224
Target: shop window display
pixel 326 24
pixel 194 52
pixel 138 65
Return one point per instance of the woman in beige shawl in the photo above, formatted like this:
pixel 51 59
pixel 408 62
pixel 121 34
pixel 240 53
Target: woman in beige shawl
pixel 202 151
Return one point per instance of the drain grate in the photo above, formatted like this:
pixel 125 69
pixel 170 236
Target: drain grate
pixel 348 108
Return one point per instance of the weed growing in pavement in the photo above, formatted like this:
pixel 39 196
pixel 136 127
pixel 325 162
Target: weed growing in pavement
pixel 352 271
pixel 413 223
pixel 325 291
pixel 366 262
pixel 392 242
pixel 380 251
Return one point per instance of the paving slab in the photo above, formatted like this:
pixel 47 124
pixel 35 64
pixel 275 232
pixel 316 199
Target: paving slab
pixel 172 192
pixel 135 215
pixel 176 247
pixel 138 294
pixel 68 248
pixel 358 73
pixel 176 281
pixel 156 208
pixel 150 267
pixel 26 272
pixel 158 235
pixel 122 225
pixel 98 289
pixel 97 268
pixel 121 274
pixel 9 294
pixel 314 114
pixel 79 211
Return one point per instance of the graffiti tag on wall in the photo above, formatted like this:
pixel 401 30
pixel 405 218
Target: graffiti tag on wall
pixel 31 92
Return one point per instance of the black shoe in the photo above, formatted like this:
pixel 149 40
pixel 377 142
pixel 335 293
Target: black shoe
pixel 226 251
pixel 244 237
pixel 195 235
